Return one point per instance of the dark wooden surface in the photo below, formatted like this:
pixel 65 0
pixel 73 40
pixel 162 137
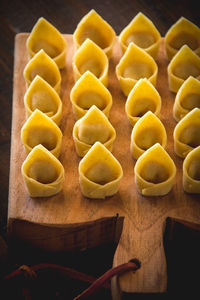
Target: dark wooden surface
pixel 20 16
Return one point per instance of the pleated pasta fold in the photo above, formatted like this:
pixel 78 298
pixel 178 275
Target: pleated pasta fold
pixel 40 129
pixel 154 172
pixel 41 64
pixel 88 91
pixel 187 98
pixel 183 32
pixel 93 127
pixel 142 98
pixel 184 64
pixel 133 65
pixel 94 27
pixel 148 131
pixel 45 36
pixel 40 95
pixel 142 32
pixel 90 57
pixel 99 173
pixel 42 172
pixel 191 172
pixel 187 133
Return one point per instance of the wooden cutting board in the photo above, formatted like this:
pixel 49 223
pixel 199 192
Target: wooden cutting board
pixel 71 221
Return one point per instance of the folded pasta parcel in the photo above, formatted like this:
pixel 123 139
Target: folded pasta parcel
pixel 154 172
pixel 183 65
pixel 148 131
pixel 99 173
pixel 191 172
pixel 94 27
pixel 142 32
pixel 88 91
pixel 134 65
pixel 183 32
pixel 187 98
pixel 42 172
pixel 187 133
pixel 40 95
pixel 93 127
pixel 45 36
pixel 40 129
pixel 90 57
pixel 142 98
pixel 41 64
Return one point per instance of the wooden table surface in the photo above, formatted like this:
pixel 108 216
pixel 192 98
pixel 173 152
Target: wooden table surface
pixel 20 16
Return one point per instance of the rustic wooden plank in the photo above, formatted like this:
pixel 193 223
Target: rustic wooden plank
pixel 57 211
pixel 145 217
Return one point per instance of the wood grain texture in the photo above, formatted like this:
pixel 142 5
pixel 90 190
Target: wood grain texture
pixel 144 217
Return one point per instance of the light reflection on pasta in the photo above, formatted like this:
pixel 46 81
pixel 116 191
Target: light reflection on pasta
pixel 40 129
pixel 95 28
pixel 187 98
pixel 133 65
pixel 142 98
pixel 90 57
pixel 99 172
pixel 93 127
pixel 187 133
pixel 154 172
pixel 183 32
pixel 42 172
pixel 184 64
pixel 88 91
pixel 191 171
pixel 40 95
pixel 45 36
pixel 41 64
pixel 148 131
pixel 142 32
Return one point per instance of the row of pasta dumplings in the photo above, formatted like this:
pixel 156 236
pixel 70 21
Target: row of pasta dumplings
pixel 93 134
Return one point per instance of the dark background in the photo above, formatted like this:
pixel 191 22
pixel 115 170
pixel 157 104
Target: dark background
pixel 20 16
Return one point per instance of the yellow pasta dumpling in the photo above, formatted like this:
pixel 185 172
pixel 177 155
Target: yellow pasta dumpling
pixel 142 32
pixel 187 133
pixel 184 64
pixel 148 131
pixel 40 129
pixel 88 91
pixel 133 65
pixel 41 64
pixel 183 32
pixel 142 98
pixel 95 28
pixel 90 57
pixel 99 172
pixel 92 127
pixel 42 172
pixel 40 95
pixel 191 172
pixel 45 36
pixel 187 98
pixel 154 172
